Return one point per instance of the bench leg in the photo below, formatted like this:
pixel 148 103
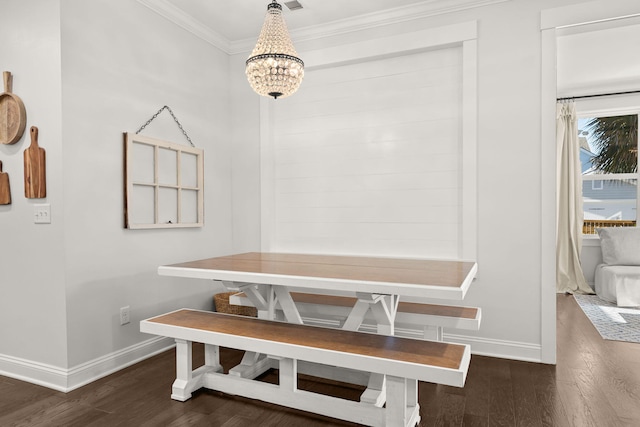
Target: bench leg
pixel 187 380
pixel 181 389
pixel 288 369
pixel 402 408
pixel 212 357
pixel 433 333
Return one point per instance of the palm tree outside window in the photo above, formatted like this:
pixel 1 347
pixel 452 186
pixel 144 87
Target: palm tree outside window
pixel 609 158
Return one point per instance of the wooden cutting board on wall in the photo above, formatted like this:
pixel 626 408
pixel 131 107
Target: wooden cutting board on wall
pixel 13 116
pixel 35 176
pixel 5 189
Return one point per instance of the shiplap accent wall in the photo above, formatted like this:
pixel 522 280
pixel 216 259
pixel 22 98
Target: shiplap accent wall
pixel 367 158
pixel 376 155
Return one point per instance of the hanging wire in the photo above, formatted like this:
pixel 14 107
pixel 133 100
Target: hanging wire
pixel 174 118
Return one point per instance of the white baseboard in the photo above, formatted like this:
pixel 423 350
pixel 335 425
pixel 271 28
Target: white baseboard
pixel 33 372
pixel 66 380
pixel 502 349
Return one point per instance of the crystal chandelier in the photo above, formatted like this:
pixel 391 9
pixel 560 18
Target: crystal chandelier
pixel 274 69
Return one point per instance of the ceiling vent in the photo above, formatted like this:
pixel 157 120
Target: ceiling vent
pixel 293 5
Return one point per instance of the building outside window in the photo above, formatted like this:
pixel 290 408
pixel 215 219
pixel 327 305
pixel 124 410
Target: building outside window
pixel 609 158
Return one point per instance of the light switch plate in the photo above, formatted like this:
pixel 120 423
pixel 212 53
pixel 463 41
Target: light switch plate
pixel 42 213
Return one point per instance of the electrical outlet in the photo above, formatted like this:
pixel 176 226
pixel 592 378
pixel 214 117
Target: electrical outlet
pixel 124 315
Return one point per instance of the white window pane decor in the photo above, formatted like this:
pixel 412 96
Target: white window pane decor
pixel 163 184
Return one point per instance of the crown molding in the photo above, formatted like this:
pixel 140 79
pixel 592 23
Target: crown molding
pixel 188 22
pixel 372 20
pixel 424 9
pixel 588 13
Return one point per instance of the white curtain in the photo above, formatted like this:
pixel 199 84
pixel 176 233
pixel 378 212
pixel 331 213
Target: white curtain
pixel 569 275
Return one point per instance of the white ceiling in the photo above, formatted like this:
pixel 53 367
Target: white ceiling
pixel 238 20
pixel 234 25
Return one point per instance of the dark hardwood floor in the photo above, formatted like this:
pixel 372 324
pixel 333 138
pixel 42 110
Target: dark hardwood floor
pixel 595 383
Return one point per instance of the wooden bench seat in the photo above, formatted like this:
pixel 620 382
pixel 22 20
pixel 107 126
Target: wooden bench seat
pixel 412 319
pixel 404 361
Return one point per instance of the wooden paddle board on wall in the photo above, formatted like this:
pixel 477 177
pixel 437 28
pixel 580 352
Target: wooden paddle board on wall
pixel 35 177
pixel 13 116
pixel 5 189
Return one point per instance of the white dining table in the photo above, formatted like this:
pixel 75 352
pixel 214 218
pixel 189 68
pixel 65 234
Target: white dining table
pixel 378 283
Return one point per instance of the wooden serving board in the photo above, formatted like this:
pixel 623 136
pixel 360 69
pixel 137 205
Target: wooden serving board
pixel 5 189
pixel 13 116
pixel 35 177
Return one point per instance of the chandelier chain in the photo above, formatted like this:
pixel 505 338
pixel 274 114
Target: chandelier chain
pixel 166 107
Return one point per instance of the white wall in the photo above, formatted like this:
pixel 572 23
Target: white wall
pixel 245 139
pixel 89 71
pixel 32 277
pixel 598 58
pixel 379 171
pixel 510 192
pixel 113 84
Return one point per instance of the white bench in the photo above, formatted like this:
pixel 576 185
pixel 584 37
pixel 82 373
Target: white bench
pixel 403 361
pixel 411 320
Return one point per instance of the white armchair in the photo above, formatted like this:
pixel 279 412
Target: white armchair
pixel 617 279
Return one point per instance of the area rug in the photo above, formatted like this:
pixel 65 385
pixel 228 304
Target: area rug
pixel 612 322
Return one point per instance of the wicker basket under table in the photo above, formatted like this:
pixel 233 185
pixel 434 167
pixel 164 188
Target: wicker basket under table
pixel 222 305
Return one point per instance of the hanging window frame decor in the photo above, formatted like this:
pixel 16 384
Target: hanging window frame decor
pixel 150 184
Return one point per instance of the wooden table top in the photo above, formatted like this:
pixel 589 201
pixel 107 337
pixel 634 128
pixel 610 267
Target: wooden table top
pixel 401 276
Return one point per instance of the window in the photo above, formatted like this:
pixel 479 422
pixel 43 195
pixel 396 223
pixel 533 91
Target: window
pixel 609 159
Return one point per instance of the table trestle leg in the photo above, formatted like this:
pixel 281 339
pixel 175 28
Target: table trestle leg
pixel 376 391
pixel 356 315
pixel 289 308
pixel 252 365
pixel 265 299
pixel 384 308
pixel 256 295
